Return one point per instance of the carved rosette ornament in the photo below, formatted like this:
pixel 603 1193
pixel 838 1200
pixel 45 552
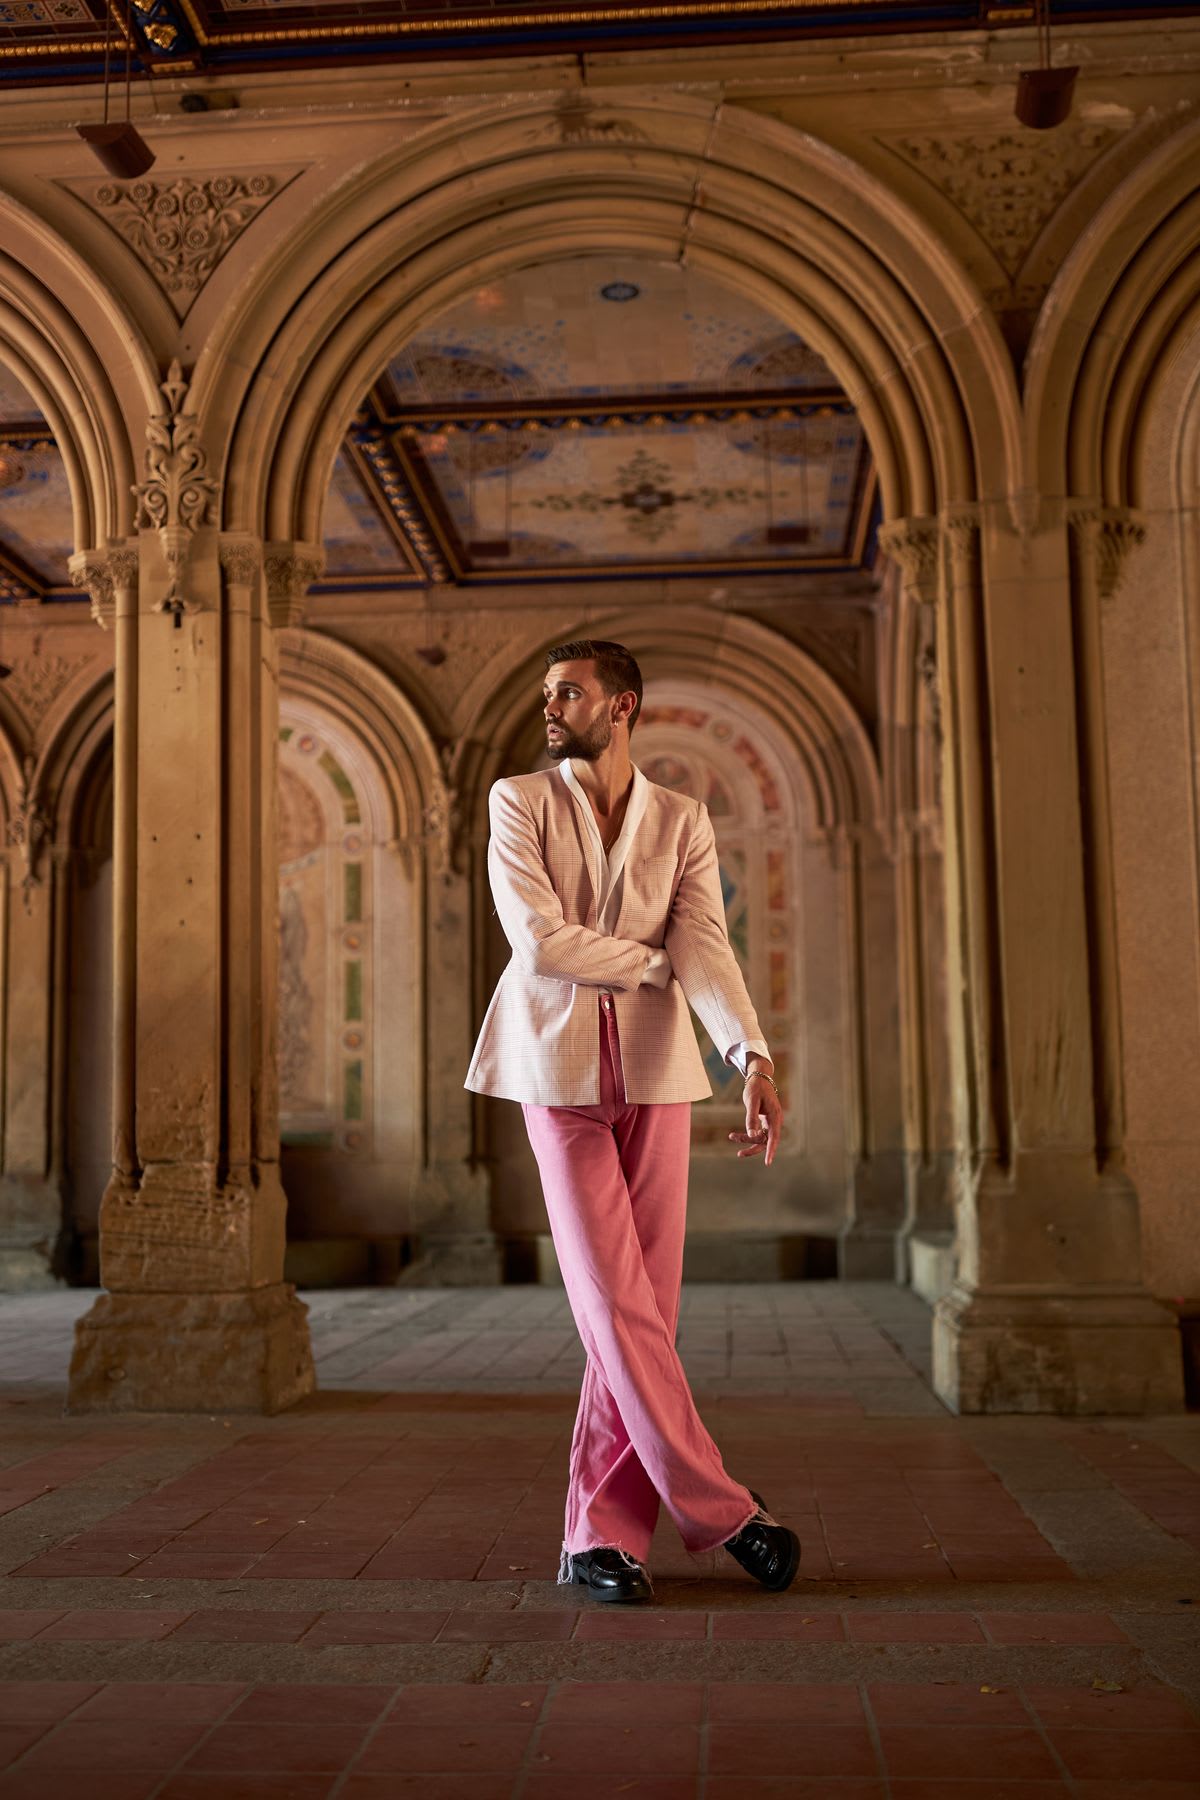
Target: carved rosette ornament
pixel 180 229
pixel 291 570
pixel 29 832
pixel 101 573
pixel 177 496
pixel 1106 536
pixel 914 545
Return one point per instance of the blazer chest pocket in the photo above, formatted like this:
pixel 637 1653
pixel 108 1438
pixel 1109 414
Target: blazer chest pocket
pixel 649 884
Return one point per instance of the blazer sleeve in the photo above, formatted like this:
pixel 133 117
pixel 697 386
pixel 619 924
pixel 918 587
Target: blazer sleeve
pixel 697 942
pixel 532 915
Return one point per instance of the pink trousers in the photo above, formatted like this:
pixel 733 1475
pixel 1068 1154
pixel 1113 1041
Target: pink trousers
pixel 614 1178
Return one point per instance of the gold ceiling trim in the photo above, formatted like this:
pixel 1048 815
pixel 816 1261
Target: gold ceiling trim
pixel 492 21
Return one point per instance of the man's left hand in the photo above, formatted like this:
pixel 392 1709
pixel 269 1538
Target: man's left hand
pixel 764 1119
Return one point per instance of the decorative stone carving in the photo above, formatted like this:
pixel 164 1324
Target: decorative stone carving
pixel 1107 536
pixel 37 681
pixel 1008 184
pixel 29 831
pixel 576 122
pixel 291 570
pixel 177 496
pixel 181 229
pixel 442 821
pixel 101 573
pixel 914 545
pixel 241 561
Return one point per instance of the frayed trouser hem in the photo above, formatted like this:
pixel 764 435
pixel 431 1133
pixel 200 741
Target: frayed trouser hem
pixel 707 1549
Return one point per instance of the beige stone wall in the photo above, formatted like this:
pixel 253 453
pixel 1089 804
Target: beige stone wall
pixel 987 742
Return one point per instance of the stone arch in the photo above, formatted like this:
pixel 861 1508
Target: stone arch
pixel 69 339
pixel 723 651
pixel 905 332
pixel 1120 294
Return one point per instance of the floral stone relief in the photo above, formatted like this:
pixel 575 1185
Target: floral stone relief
pixel 180 229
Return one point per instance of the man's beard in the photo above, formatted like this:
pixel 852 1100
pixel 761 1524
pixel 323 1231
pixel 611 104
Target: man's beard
pixel 587 747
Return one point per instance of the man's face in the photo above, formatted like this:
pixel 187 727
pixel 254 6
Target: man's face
pixel 579 714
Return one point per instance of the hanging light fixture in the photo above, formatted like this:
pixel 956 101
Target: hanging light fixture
pixel 119 146
pixel 1044 94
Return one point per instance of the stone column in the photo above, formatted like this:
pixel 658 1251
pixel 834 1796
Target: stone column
pixel 1047 1313
pixel 914 787
pixel 30 1175
pixel 879 1199
pixel 196 1316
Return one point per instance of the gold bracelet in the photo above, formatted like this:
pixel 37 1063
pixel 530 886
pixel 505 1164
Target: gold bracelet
pixel 760 1075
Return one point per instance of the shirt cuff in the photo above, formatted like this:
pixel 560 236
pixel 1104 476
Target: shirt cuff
pixel 740 1054
pixel 657 972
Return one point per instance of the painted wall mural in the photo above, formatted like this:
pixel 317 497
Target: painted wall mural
pixel 324 950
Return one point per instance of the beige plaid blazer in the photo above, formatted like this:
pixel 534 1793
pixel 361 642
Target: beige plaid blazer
pixel 540 1041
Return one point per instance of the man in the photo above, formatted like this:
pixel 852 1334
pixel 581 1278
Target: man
pixel 608 891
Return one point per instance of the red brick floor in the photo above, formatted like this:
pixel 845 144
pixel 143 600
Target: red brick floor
pixel 357 1599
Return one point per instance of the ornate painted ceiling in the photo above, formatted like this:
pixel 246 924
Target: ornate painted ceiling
pixel 606 415
pixel 56 40
pixel 603 416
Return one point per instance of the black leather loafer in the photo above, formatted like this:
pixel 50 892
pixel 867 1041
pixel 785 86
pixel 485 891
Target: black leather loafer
pixel 769 1552
pixel 610 1575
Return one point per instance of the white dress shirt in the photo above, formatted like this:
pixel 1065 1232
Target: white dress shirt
pixel 608 869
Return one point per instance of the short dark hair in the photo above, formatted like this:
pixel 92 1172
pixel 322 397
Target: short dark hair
pixel 616 667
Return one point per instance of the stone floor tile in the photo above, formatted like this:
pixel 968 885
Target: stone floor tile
pixel 239 1626
pixel 241 1784
pixel 23 1701
pixel 912 1628
pixel 20 1624
pixel 310 1703
pixel 630 1624
pixel 395 1786
pixel 554 1784
pixel 478 1706
pixel 979 1787
pixel 278 1746
pixel 745 1749
pixel 668 1703
pixel 793 1787
pixel 1142 1709
pixel 961 1752
pixel 107 1625
pixel 946 1703
pixel 1110 1755
pixel 768 1703
pixel 507 1627
pixel 445 1746
pixel 109 1745
pixel 161 1700
pixel 374 1628
pixel 102 1784
pixel 604 1747
pixel 793 1627
pixel 1052 1628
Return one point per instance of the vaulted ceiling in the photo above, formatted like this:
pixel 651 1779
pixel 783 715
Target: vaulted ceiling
pixel 602 416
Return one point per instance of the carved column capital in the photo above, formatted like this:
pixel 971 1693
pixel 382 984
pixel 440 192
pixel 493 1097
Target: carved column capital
pixel 101 573
pixel 178 494
pixel 291 570
pixel 960 535
pixel 914 545
pixel 241 559
pixel 1106 536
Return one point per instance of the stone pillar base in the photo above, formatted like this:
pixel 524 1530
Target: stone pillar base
pixel 1031 1351
pixel 866 1255
pixel 26 1271
pixel 156 1352
pixel 459 1259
